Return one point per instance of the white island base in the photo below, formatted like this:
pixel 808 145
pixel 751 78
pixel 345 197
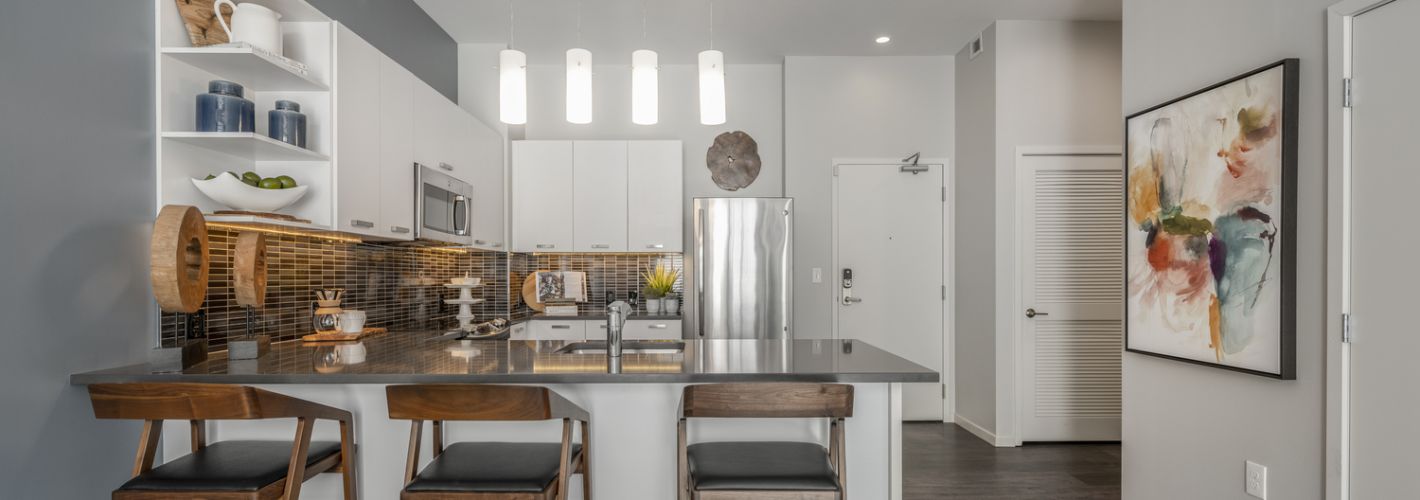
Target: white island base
pixel 633 441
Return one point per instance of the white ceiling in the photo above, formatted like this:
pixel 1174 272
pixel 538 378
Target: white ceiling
pixel 748 31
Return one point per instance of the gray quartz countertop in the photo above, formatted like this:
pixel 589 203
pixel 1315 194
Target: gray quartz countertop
pixel 601 317
pixel 426 357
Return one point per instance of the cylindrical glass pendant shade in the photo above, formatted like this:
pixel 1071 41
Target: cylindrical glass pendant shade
pixel 512 87
pixel 712 87
pixel 579 86
pixel 645 96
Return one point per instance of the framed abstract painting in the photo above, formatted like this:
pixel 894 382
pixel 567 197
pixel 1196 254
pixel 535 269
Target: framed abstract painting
pixel 1211 202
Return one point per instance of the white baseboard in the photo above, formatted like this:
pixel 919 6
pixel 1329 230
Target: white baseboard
pixel 985 435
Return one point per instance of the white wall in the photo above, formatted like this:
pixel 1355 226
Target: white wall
pixel 76 206
pixel 1057 83
pixel 1188 429
pixel 975 244
pixel 851 107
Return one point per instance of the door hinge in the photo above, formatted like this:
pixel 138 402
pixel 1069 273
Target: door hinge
pixel 1345 328
pixel 944 193
pixel 944 292
pixel 1345 92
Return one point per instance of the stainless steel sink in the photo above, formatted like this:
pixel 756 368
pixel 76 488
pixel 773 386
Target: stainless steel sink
pixel 635 347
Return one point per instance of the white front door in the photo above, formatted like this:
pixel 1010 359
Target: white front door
pixel 1383 273
pixel 1072 293
pixel 888 227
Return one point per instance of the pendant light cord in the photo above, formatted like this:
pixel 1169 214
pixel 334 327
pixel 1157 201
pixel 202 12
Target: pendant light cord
pixel 712 24
pixel 579 23
pixel 510 24
pixel 643 22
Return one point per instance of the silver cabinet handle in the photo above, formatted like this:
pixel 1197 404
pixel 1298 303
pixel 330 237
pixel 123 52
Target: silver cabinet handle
pixel 601 326
pixel 601 246
pixel 658 326
pixel 497 245
pixel 480 242
pixel 655 246
pixel 399 229
pixel 561 327
pixel 361 223
pixel 700 271
pixel 545 245
pixel 851 300
pixel 446 166
pixel 1031 313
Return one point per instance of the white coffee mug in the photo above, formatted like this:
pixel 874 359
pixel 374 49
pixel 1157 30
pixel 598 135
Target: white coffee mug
pixel 253 24
pixel 352 321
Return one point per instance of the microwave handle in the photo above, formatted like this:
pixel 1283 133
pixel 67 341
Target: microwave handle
pixel 461 215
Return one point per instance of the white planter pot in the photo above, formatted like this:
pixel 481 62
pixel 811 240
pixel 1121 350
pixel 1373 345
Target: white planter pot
pixel 670 305
pixel 653 306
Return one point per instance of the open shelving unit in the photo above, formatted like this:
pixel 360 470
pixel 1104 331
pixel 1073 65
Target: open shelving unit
pixel 182 73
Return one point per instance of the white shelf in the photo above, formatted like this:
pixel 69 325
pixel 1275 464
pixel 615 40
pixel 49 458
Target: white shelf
pixel 256 222
pixel 246 145
pixel 256 71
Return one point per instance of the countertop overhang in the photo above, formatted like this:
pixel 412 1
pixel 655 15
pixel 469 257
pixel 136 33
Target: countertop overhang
pixel 425 357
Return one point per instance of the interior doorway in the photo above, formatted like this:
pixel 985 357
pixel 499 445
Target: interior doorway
pixel 890 268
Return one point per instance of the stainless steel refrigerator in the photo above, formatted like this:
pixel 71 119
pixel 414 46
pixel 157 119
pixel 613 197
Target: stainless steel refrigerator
pixel 742 262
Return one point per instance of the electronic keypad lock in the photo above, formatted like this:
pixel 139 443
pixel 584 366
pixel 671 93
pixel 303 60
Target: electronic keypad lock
pixel 847 288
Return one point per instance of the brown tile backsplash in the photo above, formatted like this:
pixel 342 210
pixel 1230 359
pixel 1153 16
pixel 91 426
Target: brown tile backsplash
pixel 398 286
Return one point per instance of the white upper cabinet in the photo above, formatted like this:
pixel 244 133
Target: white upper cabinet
pixel 357 170
pixel 542 196
pixel 655 196
pixel 396 150
pixel 485 146
pixel 599 196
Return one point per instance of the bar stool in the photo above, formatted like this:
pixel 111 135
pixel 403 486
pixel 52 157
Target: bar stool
pixel 226 470
pixel 492 470
pixel 772 470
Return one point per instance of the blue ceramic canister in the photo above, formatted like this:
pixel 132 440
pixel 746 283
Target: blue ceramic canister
pixel 223 109
pixel 287 124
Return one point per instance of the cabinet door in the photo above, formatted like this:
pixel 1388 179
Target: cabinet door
pixel 431 129
pixel 542 196
pixel 599 196
pixel 396 177
pixel 357 127
pixel 556 330
pixel 650 329
pixel 486 147
pixel 654 194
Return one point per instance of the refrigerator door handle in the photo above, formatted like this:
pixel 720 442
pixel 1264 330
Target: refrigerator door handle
pixel 700 270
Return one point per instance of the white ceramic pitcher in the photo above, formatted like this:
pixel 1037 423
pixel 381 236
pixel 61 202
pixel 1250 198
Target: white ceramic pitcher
pixel 253 24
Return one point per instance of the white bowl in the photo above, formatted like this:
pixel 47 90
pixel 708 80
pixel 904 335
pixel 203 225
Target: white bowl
pixel 237 195
pixel 466 281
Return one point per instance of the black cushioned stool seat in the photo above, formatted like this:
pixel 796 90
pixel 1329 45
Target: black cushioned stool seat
pixel 750 466
pixel 492 467
pixel 228 466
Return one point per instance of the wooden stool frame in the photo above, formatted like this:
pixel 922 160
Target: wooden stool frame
pixel 197 403
pixel 440 403
pixel 766 400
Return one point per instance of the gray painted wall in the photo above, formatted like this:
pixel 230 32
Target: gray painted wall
pixel 851 107
pixel 76 206
pixel 1188 429
pixel 975 238
pixel 403 31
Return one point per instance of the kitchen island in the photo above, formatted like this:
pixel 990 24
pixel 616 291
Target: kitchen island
pixel 633 405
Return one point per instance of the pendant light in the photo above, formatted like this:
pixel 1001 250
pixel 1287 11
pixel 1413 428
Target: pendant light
pixel 712 80
pixel 579 80
pixel 512 80
pixel 645 94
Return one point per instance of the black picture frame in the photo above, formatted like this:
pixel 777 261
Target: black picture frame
pixel 1288 269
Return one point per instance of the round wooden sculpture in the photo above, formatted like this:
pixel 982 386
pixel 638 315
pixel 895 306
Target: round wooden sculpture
pixel 250 269
pixel 733 160
pixel 178 259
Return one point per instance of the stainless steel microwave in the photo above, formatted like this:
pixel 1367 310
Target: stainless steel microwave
pixel 442 205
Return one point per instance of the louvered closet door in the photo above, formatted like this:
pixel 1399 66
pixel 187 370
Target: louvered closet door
pixel 1072 322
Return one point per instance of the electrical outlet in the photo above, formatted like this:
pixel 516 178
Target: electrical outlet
pixel 1256 480
pixel 818 274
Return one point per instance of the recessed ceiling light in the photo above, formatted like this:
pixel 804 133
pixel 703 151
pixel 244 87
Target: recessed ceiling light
pixel 883 39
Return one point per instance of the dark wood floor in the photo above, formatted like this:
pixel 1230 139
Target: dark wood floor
pixel 943 461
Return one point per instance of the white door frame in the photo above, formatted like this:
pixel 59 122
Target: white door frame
pixel 1008 359
pixel 948 375
pixel 1338 213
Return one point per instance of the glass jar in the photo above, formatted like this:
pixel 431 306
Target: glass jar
pixel 223 109
pixel 287 124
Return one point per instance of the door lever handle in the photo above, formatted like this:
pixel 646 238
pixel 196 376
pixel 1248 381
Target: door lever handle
pixel 1031 313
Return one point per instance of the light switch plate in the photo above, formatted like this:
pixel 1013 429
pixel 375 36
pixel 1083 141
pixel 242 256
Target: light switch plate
pixel 1256 480
pixel 818 274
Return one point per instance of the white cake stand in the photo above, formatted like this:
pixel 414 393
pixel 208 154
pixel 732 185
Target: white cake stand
pixel 465 303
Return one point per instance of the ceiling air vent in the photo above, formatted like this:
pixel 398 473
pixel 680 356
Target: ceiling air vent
pixel 977 46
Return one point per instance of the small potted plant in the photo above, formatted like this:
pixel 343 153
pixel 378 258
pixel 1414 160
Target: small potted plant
pixel 659 282
pixel 670 304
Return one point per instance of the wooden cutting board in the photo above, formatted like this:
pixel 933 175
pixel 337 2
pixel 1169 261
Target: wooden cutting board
pixel 343 337
pixel 530 291
pixel 201 22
